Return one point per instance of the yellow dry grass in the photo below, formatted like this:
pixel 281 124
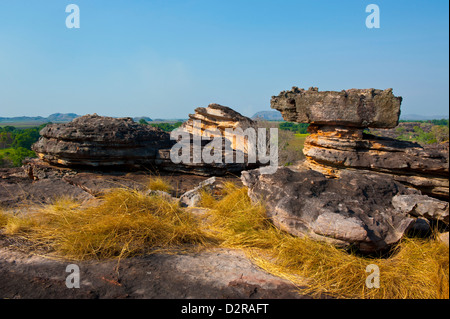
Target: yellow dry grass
pixel 416 268
pixel 3 219
pixel 126 222
pixel 158 183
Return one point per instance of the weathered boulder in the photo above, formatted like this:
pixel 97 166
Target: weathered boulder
pixel 331 150
pixel 98 141
pixel 338 142
pixel 422 206
pixel 355 209
pixel 354 107
pixel 192 197
pixel 105 142
pixel 208 122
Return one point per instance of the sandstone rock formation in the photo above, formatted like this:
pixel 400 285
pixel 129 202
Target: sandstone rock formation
pixel 337 141
pixel 105 142
pixel 422 206
pixel 98 141
pixel 215 118
pixel 332 149
pixel 355 209
pixel 354 107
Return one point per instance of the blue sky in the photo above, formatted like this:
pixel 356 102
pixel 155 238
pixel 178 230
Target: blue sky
pixel 164 58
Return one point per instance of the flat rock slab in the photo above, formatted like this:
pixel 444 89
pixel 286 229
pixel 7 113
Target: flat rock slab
pixel 353 107
pixel 25 192
pixel 44 183
pixel 216 274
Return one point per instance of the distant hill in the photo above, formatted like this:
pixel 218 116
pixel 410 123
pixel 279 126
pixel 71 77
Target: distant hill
pixel 60 117
pixel 66 117
pixel 147 119
pixel 276 116
pixel 37 119
pixel 56 117
pixel 416 117
pixel 169 120
pixel 268 116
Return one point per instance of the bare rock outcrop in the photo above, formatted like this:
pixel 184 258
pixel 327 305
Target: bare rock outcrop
pixel 354 107
pixel 105 142
pixel 338 142
pixel 97 141
pixel 215 118
pixel 355 209
pixel 422 206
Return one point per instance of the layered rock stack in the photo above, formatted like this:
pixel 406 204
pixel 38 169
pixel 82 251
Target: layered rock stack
pixel 94 141
pixel 97 141
pixel 338 142
pixel 208 122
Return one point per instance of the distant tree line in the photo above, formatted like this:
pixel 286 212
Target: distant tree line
pixel 442 122
pixel 300 128
pixel 11 136
pixel 425 132
pixel 15 144
pixel 167 127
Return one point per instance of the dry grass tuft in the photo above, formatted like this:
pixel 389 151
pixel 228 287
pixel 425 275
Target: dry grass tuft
pixel 157 183
pixel 3 219
pixel 238 223
pixel 125 223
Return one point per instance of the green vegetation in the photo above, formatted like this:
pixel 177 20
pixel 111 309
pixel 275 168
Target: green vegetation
pixel 422 132
pixel 441 133
pixel 443 122
pixel 426 132
pixel 167 127
pixel 11 136
pixel 15 144
pixel 291 148
pixel 14 156
pixel 22 125
pixel 291 139
pixel 299 128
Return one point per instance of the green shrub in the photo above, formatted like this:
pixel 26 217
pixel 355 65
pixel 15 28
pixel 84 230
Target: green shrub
pixel 167 127
pixel 300 128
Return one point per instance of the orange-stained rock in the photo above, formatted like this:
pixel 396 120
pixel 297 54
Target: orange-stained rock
pixel 338 142
pixel 215 119
pixel 423 167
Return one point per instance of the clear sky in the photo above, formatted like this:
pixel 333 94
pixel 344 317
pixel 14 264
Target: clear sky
pixel 164 58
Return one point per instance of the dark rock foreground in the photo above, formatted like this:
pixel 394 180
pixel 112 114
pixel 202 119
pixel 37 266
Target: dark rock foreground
pixel 356 209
